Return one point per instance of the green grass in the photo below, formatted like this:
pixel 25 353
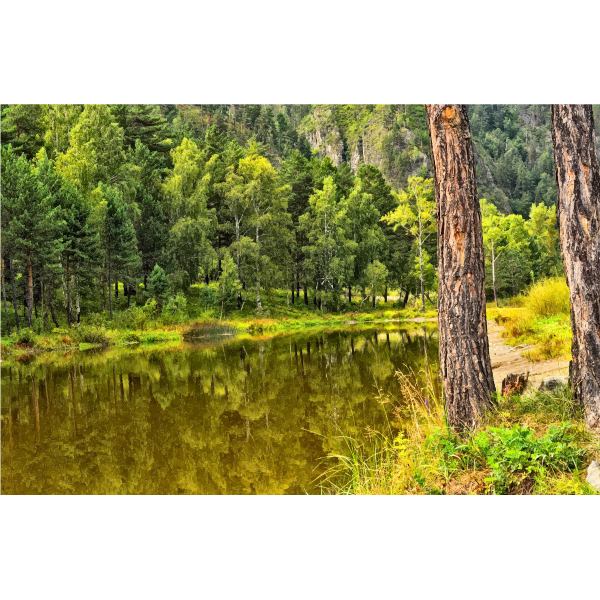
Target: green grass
pixel 536 443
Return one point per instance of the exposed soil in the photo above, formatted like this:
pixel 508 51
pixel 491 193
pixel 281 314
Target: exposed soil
pixel 507 359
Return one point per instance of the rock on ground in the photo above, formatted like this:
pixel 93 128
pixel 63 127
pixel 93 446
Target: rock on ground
pixel 593 477
pixel 552 383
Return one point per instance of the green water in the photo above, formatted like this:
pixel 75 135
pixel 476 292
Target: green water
pixel 231 416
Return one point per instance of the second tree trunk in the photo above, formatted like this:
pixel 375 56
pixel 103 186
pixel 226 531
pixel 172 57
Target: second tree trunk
pixel 578 213
pixel 465 363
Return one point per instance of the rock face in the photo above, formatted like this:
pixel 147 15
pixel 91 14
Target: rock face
pixel 323 134
pixel 368 138
pixel 593 476
pixel 550 384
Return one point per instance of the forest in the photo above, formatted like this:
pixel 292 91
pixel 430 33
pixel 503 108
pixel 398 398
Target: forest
pixel 191 211
pixel 217 229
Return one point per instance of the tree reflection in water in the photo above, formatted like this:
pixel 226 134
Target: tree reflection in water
pixel 241 417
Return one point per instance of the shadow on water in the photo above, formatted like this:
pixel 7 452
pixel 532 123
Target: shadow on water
pixel 237 416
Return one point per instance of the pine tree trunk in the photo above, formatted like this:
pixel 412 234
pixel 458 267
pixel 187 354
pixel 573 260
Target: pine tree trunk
pixel 293 288
pixel 463 341
pixel 50 302
pixel 494 275
pixel 422 270
pixel 258 303
pixel 117 287
pixel 109 290
pixel 8 329
pixel 103 288
pixel 305 294
pixel 29 289
pixel 14 295
pixel 405 297
pixel 385 294
pixel 578 214
pixel 350 295
pixel 68 295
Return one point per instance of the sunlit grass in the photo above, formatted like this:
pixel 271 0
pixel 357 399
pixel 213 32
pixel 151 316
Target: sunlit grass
pixel 535 443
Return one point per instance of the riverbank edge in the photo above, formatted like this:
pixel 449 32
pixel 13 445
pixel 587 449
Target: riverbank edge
pixel 64 340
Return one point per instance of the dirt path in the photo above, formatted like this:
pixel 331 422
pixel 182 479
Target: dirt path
pixel 507 359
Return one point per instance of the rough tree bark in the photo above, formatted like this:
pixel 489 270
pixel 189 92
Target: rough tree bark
pixel 463 341
pixel 68 295
pixel 14 294
pixel 578 214
pixel 29 289
pixel 4 295
pixel 50 305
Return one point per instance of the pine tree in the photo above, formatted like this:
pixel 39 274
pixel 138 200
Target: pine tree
pixel 32 225
pixel 142 122
pixel 23 128
pixel 122 257
pixel 159 285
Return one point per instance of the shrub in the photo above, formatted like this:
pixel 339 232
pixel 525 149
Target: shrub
pixel 91 335
pixel 548 297
pixel 132 337
pixel 515 456
pixel 25 338
pixel 208 296
pixel 175 311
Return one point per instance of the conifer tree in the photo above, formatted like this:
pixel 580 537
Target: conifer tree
pixel 23 128
pixel 122 257
pixel 159 285
pixel 33 225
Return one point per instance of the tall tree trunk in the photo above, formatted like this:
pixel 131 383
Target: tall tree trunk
pixel 8 329
pixel 29 289
pixel 128 295
pixel 68 295
pixel 293 288
pixel 109 290
pixel 78 308
pixel 374 299
pixel 578 213
pixel 350 295
pixel 305 294
pixel 463 340
pixel 103 288
pixel 406 297
pixel 50 301
pixel 14 294
pixel 494 275
pixel 258 303
pixel 422 269
pixel 43 287
pixel 385 293
pixel 116 287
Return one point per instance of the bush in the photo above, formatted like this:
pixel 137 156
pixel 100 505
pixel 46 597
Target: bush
pixel 548 297
pixel 91 335
pixel 516 456
pixel 175 311
pixel 208 296
pixel 132 337
pixel 25 338
pixel 134 317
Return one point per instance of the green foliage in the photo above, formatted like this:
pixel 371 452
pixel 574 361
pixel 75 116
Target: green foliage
pixel 175 310
pixel 515 453
pixel 90 334
pixel 548 297
pixel 159 285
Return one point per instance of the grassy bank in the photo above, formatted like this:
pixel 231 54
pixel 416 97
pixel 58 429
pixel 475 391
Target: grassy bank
pixel 535 443
pixel 541 319
pixel 135 326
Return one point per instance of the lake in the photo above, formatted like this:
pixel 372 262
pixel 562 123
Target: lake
pixel 226 415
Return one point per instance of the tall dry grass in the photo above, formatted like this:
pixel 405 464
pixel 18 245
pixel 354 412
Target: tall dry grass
pixel 548 298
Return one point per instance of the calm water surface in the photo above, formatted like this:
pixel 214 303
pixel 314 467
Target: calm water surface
pixel 232 417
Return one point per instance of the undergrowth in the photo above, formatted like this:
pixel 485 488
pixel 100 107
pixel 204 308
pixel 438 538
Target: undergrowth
pixel 535 443
pixel 541 318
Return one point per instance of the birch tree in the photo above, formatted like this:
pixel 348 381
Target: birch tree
pixel 416 214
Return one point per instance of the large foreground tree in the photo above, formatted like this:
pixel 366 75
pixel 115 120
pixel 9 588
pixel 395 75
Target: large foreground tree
pixel 464 348
pixel 578 182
